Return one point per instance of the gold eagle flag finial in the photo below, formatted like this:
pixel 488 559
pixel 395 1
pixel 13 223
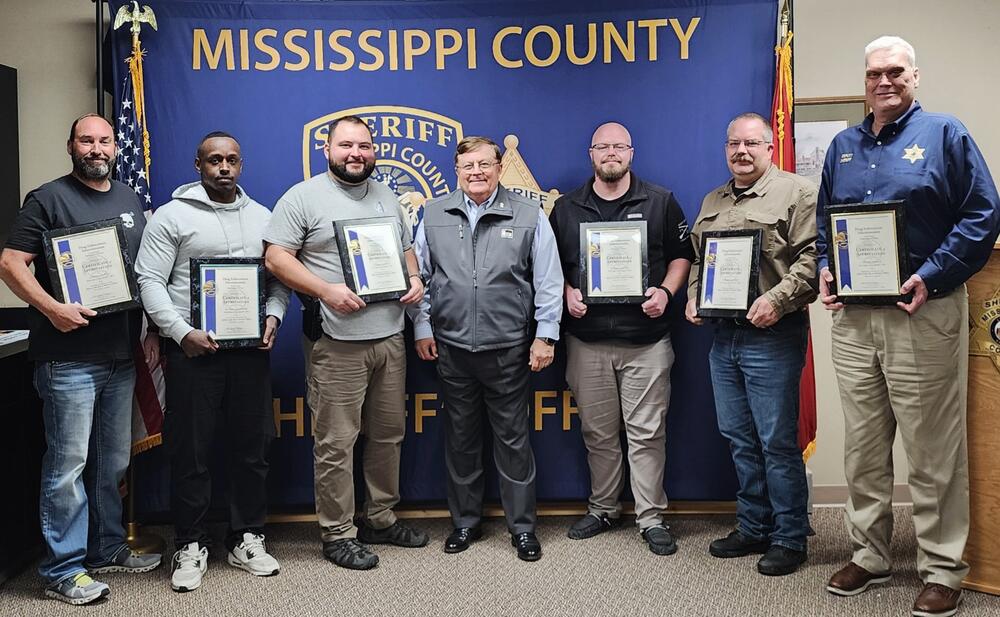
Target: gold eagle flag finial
pixel 136 17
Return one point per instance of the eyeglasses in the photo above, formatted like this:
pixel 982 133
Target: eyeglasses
pixel 893 74
pixel 615 147
pixel 481 165
pixel 734 144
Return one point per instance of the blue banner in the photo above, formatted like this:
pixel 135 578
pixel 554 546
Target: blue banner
pixel 843 255
pixel 538 77
pixel 595 261
pixel 710 257
pixel 359 260
pixel 69 272
pixel 208 289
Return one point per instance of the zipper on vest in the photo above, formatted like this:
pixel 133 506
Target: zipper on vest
pixel 475 292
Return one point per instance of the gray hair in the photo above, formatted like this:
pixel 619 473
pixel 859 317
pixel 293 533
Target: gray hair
pixel 768 133
pixel 891 42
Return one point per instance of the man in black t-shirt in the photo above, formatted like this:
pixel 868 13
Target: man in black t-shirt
pixel 84 373
pixel 619 355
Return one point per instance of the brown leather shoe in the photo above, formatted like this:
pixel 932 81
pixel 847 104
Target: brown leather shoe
pixel 937 601
pixel 852 579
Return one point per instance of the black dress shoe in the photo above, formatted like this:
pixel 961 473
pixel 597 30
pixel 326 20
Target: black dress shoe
pixel 528 546
pixel 779 561
pixel 738 545
pixel 461 537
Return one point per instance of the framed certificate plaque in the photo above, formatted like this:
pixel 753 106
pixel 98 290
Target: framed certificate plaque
pixel 90 265
pixel 228 299
pixel 614 262
pixel 728 273
pixel 867 252
pixel 371 253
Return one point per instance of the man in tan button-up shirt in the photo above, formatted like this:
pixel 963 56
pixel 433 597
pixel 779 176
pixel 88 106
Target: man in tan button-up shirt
pixel 756 361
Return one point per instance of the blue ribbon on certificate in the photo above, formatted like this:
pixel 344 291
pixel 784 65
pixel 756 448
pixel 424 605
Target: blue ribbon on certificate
pixel 595 261
pixel 843 254
pixel 208 288
pixel 713 249
pixel 69 272
pixel 354 243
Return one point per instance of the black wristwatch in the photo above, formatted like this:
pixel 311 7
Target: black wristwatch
pixel 670 296
pixel 548 341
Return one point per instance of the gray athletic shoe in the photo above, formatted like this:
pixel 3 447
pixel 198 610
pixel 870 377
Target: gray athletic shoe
pixel 128 561
pixel 77 589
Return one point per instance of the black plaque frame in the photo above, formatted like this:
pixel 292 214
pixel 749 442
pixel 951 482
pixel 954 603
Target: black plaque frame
pixel 197 264
pixel 753 289
pixel 51 261
pixel 344 248
pixel 902 249
pixel 585 262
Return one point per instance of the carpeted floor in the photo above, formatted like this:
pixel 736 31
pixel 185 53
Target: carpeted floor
pixel 612 574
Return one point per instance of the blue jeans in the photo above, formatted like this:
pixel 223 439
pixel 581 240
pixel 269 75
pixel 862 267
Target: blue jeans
pixel 87 410
pixel 755 376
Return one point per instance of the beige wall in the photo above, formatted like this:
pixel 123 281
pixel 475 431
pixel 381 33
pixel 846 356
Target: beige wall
pixel 50 42
pixel 957 44
pixel 957 47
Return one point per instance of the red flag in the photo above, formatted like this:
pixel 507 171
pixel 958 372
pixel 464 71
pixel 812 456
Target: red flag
pixel 148 403
pixel 784 157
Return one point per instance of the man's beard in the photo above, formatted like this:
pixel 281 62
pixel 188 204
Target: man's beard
pixel 91 168
pixel 610 176
pixel 340 170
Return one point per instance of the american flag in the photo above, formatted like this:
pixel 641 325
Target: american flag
pixel 131 166
pixel 132 169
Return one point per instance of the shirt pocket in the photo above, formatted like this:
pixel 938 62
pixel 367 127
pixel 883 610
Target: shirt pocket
pixel 769 223
pixel 704 223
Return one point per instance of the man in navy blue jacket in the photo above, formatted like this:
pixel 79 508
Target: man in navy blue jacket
pixel 907 365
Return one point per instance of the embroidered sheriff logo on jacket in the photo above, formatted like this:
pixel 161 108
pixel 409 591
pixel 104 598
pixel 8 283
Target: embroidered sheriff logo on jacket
pixel 913 154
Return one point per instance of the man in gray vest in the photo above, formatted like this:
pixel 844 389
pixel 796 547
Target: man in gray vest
pixel 490 259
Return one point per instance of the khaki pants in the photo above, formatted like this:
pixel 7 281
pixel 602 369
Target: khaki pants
pixel 356 387
pixel 614 382
pixel 895 370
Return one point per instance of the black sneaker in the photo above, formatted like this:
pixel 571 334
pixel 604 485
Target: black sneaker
pixel 779 561
pixel 351 554
pixel 397 534
pixel 590 525
pixel 737 545
pixel 659 540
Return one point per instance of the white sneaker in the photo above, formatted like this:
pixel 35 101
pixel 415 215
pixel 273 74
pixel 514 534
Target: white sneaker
pixel 251 555
pixel 190 564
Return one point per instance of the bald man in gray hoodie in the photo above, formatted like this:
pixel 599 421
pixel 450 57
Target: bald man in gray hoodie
pixel 209 389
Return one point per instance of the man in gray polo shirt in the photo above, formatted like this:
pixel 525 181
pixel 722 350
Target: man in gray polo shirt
pixel 356 372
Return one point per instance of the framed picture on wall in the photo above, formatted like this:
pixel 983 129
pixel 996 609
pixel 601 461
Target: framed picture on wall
pixel 817 122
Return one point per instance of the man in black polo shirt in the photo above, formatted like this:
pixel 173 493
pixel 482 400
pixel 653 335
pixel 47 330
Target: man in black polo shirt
pixel 619 355
pixel 84 373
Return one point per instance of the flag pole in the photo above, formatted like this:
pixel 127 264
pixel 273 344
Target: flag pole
pixel 785 18
pixel 99 48
pixel 139 542
pixel 134 17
